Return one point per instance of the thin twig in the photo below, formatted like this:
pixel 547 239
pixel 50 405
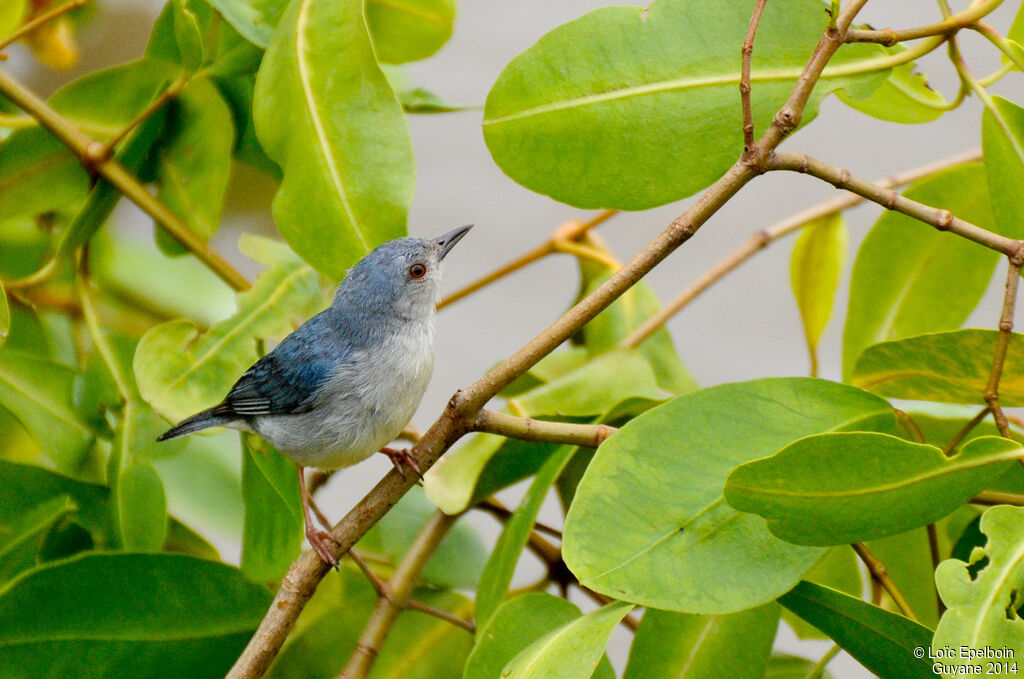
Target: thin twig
pixel 38 20
pixel 88 149
pixel 399 587
pixel 528 429
pixel 169 93
pixel 1003 343
pixel 566 232
pixel 303 576
pixel 747 52
pixel 881 574
pixel 964 431
pixel 495 508
pixel 908 423
pixel 941 219
pixel 992 497
pixel 765 237
pixel 933 547
pixel 951 24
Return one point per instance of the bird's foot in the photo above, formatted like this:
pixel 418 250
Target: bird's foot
pixel 401 459
pixel 318 540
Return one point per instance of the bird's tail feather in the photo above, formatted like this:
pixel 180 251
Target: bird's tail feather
pixel 214 417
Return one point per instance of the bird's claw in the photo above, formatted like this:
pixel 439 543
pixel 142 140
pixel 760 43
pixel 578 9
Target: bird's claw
pixel 402 459
pixel 318 541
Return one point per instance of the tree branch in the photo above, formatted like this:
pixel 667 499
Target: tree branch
pixel 942 220
pixel 38 20
pixel 396 596
pixel 1003 343
pixel 528 429
pixel 947 26
pixel 303 576
pixel 881 575
pixel 89 150
pixel 567 232
pixel 765 237
pixel 747 52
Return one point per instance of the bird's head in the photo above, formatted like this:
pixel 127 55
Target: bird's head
pixel 400 277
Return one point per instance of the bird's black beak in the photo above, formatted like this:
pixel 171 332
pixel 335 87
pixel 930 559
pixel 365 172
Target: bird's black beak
pixel 448 241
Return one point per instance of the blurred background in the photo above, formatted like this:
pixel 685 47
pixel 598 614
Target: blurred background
pixel 745 327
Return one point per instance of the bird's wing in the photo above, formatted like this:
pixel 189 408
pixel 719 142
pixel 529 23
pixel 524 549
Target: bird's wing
pixel 285 381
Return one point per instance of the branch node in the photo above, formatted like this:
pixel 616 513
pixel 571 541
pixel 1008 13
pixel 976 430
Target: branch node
pixel 844 179
pixel 944 218
pixel 1017 256
pixel 890 200
pixel 786 120
pixel 96 153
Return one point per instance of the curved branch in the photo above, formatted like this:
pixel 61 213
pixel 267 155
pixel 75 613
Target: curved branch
pixel 947 26
pixel 528 429
pixel 303 576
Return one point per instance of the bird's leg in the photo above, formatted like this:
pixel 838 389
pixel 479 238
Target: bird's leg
pixel 402 458
pixel 316 537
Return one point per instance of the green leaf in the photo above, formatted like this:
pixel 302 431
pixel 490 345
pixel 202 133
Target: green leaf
pixel 686 646
pixel 814 269
pixel 21 541
pixel 516 624
pixel 632 108
pixel 409 30
pixel 485 464
pixel 825 489
pixel 571 651
pixel 793 667
pixel 422 100
pixel 5 316
pixel 881 641
pixel 983 597
pixel 139 615
pixel 254 19
pixel 622 317
pixel 904 97
pixel 948 367
pixel 181 371
pixel 619 381
pixel 187 34
pixel 104 197
pixel 38 174
pixel 456 563
pixel 37 392
pixel 903 266
pixel 273 531
pixel 497 575
pixel 623 529
pixel 27 486
pixel 237 91
pixel 1002 141
pixel 348 170
pixel 419 646
pixel 194 158
pixel 141 508
pixel 839 570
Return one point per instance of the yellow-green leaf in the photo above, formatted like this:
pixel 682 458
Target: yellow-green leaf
pixel 409 30
pixel 814 269
pixel 948 367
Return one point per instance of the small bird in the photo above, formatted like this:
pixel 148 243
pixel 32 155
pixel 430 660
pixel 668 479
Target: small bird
pixel 346 382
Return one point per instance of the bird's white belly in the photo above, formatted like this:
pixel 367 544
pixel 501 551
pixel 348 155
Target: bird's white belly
pixel 363 406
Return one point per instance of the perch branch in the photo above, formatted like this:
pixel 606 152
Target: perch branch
pixel 88 149
pixel 303 576
pixel 881 575
pixel 763 238
pixel 528 429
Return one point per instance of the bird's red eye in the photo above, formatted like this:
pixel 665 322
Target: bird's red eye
pixel 417 270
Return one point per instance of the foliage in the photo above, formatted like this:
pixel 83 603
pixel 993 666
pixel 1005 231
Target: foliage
pixel 721 510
